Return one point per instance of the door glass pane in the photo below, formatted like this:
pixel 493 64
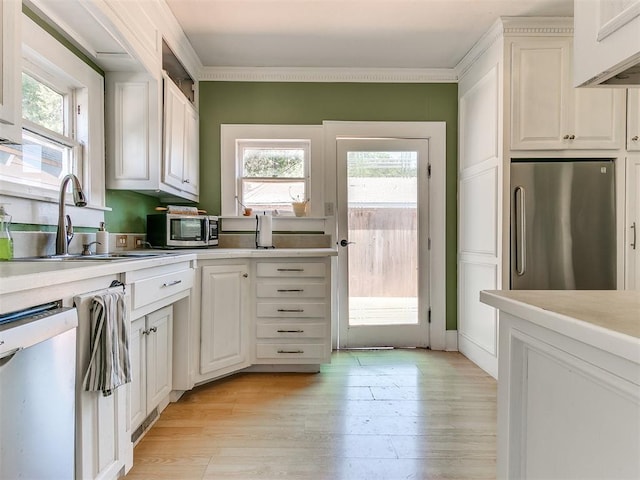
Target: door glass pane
pixel 383 223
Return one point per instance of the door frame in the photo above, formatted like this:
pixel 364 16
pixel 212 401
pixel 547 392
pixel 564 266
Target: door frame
pixel 435 133
pixel 397 335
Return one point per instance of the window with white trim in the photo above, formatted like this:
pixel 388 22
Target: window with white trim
pixel 49 149
pixel 62 132
pixel 269 167
pixel 273 173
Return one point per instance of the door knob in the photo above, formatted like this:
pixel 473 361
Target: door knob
pixel 344 242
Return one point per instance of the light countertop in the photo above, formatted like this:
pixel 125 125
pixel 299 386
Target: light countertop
pixel 16 275
pixel 607 319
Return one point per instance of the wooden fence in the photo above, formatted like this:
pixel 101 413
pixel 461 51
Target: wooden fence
pixel 383 262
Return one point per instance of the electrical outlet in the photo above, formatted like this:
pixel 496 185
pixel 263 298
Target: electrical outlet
pixel 121 240
pixel 138 243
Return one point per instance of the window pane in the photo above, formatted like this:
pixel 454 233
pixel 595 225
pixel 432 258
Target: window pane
pixel 270 195
pixel 276 163
pixel 42 105
pixel 37 161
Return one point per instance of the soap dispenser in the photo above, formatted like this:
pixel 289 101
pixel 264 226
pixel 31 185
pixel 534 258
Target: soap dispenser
pixel 102 237
pixel 6 242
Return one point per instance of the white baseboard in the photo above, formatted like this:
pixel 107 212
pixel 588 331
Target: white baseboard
pixel 451 341
pixel 479 356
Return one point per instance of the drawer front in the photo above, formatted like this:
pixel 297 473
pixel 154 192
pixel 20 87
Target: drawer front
pixel 288 352
pixel 282 269
pixel 291 330
pixel 156 288
pixel 291 290
pixel 288 310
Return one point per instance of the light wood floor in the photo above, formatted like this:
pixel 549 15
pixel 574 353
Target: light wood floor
pixel 385 414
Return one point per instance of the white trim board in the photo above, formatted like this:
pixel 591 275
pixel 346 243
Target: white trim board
pixel 350 75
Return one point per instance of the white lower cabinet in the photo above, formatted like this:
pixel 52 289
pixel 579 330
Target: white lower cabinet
pixel 224 319
pixel 151 363
pixel 293 312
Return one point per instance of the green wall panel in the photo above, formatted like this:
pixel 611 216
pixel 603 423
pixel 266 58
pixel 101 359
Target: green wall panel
pixel 128 211
pixel 313 103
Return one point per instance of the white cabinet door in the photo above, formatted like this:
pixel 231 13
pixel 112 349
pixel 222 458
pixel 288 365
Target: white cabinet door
pixel 538 93
pixel 224 319
pixel 10 85
pixel 132 131
pixel 151 353
pixel 138 390
pixel 547 113
pixel 174 135
pixel 632 237
pixel 191 179
pixel 159 356
pixel 633 120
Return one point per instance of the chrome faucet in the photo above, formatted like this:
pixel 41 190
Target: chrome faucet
pixel 64 234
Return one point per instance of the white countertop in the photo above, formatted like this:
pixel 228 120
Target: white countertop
pixel 16 275
pixel 606 319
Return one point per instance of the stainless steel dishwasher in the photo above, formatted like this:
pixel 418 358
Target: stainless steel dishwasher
pixel 37 393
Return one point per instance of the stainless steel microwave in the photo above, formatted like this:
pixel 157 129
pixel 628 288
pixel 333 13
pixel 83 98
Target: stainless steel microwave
pixel 169 230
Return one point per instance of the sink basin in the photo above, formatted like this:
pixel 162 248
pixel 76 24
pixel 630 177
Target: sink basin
pixel 96 257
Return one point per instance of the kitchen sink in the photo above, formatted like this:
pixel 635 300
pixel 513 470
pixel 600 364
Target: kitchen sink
pixel 95 257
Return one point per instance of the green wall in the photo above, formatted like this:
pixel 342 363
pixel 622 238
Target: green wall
pixel 311 104
pixel 128 211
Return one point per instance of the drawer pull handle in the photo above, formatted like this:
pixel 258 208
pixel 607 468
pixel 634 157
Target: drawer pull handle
pixel 284 290
pixel 290 331
pixel 171 284
pixel 291 310
pixel 291 269
pixel 290 351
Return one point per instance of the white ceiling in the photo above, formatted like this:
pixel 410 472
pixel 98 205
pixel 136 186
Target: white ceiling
pixel 345 33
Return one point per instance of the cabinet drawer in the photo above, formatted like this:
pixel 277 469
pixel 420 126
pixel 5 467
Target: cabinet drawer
pixel 286 310
pixel 283 351
pixel 153 289
pixel 302 269
pixel 291 330
pixel 291 290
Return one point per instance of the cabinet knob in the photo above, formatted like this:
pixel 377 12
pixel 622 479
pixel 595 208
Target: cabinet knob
pixel 186 180
pixel 572 137
pixel 245 275
pixel 635 138
pixel 566 137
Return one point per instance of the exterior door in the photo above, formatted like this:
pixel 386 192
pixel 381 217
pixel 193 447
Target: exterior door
pixel 383 236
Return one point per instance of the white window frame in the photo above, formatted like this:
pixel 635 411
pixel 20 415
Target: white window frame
pixel 52 63
pixel 231 162
pixel 269 144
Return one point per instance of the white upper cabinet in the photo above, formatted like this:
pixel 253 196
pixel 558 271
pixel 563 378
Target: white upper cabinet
pixel 140 122
pixel 607 42
pixel 10 84
pixel 547 113
pixel 633 120
pixel 181 162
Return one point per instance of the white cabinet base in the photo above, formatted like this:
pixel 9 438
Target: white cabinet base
pixel 565 408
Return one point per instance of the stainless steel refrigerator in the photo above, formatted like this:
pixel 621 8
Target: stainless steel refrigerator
pixel 563 225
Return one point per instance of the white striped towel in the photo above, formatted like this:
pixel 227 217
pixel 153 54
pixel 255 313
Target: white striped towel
pixel 109 366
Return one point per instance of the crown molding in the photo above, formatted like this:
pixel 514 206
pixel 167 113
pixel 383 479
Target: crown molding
pixel 533 26
pixel 514 26
pixel 490 37
pixel 339 75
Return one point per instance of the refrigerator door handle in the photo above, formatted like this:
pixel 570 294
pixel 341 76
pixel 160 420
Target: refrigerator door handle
pixel 635 232
pixel 521 231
